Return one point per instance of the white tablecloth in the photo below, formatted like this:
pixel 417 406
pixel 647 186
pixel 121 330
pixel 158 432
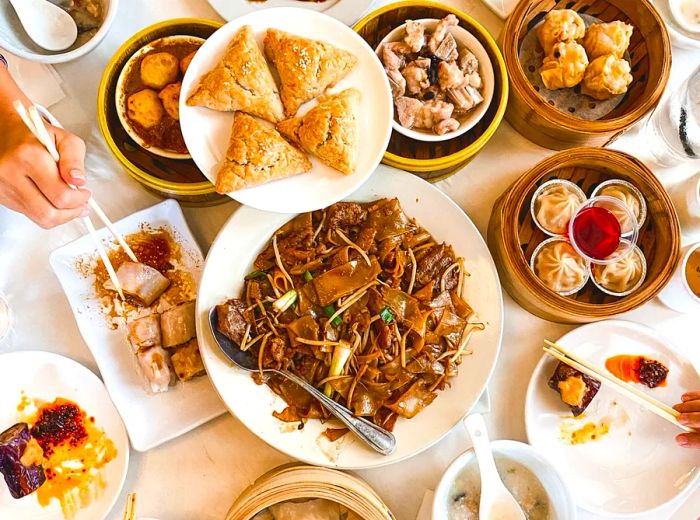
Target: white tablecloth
pixel 200 474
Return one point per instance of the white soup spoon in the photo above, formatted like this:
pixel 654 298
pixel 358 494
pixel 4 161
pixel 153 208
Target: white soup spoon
pixel 47 24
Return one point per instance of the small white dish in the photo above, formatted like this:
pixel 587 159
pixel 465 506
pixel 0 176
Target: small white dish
pixel 636 467
pixel 46 376
pixel 347 11
pixel 14 39
pixel 677 294
pixel 680 37
pixel 150 420
pixel 120 97
pixel 683 11
pixel 562 505
pixel 207 132
pixel 464 39
pixel 229 260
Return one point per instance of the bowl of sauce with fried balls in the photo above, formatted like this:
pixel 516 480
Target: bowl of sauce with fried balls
pixel 148 94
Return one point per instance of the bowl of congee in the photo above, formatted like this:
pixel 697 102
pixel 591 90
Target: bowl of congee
pixel 534 483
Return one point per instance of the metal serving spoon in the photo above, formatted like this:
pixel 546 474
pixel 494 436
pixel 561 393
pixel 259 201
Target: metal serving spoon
pixel 376 437
pixel 47 24
pixel 496 502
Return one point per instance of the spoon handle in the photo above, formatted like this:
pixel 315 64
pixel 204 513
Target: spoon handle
pixel 482 446
pixel 375 436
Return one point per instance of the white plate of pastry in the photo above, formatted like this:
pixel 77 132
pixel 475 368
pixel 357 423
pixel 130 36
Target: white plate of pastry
pixel 347 11
pixel 286 110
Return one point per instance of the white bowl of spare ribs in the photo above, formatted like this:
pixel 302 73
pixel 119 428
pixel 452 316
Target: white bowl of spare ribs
pixel 441 78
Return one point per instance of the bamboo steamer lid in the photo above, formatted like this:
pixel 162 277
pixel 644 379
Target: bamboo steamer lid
pixel 298 482
pixel 650 60
pixel 513 235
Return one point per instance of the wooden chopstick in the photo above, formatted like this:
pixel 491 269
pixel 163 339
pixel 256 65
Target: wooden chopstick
pixel 662 410
pixel 130 509
pixel 35 122
pixel 36 125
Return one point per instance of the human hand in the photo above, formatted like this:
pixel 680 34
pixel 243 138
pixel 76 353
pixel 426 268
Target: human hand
pixel 30 180
pixel 690 416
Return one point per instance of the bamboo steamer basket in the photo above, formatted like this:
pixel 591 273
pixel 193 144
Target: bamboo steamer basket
pixel 298 482
pixel 436 161
pixel 650 57
pixel 175 178
pixel 513 235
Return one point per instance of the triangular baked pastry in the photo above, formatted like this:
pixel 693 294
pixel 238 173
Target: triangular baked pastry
pixel 257 154
pixel 240 81
pixel 329 130
pixel 306 67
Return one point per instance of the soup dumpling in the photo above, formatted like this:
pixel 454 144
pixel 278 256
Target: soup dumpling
pixel 565 66
pixel 560 267
pixel 560 25
pixel 606 76
pixel 607 38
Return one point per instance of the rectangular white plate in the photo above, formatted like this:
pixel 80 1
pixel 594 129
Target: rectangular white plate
pixel 150 419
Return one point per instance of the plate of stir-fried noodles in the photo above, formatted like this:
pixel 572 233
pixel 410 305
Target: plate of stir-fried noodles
pixel 388 302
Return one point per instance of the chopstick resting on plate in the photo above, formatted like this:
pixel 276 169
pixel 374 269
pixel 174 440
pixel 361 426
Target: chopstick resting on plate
pixel 653 405
pixel 130 508
pixel 32 119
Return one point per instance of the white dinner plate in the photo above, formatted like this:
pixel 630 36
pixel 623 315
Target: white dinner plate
pixel 637 467
pixel 347 11
pixel 230 259
pixel 207 132
pixel 150 419
pixel 46 376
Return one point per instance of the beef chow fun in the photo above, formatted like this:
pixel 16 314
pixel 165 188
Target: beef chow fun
pixel 360 301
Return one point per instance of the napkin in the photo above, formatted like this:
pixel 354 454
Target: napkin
pixel 41 83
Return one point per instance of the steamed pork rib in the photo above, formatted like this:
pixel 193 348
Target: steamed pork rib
pixel 178 324
pixel 142 282
pixel 144 332
pixel 155 367
pixel 360 301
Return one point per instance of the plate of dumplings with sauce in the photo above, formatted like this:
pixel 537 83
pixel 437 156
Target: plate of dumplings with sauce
pixel 577 63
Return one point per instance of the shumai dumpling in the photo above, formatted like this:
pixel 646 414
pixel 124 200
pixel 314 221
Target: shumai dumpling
pixel 607 38
pixel 560 25
pixel 565 66
pixel 605 77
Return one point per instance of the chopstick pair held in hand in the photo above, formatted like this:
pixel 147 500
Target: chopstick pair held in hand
pixel 586 367
pixel 32 119
pixel 689 410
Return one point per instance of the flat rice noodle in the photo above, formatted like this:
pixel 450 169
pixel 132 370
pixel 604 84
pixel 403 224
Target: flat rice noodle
pixel 450 327
pixel 425 293
pixel 344 280
pixel 406 309
pixel 294 241
pixel 389 220
pixel 289 414
pixel 306 299
pixel 366 401
pixel 341 257
pixel 462 308
pixel 425 365
pixel 305 327
pixel 413 400
pixel 441 300
pixel 333 434
pixel 415 341
pixel 292 394
pixel 342 385
pixel 362 360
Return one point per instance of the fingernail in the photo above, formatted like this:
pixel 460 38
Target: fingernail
pixel 77 175
pixel 682 440
pixel 85 212
pixel 683 419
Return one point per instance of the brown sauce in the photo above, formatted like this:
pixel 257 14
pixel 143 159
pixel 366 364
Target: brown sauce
pixel 167 133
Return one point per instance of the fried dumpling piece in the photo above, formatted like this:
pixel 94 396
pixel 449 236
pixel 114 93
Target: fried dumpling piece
pixel 187 361
pixel 329 130
pixel 560 25
pixel 240 81
pixel 605 77
pixel 565 66
pixel 257 154
pixel 607 38
pixel 306 67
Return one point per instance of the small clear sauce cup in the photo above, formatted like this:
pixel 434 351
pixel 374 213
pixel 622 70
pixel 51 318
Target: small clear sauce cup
pixel 617 208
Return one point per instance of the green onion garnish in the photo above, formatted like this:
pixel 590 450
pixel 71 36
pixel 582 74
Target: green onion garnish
pixel 285 301
pixel 255 274
pixel 330 311
pixel 386 315
pixel 307 276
